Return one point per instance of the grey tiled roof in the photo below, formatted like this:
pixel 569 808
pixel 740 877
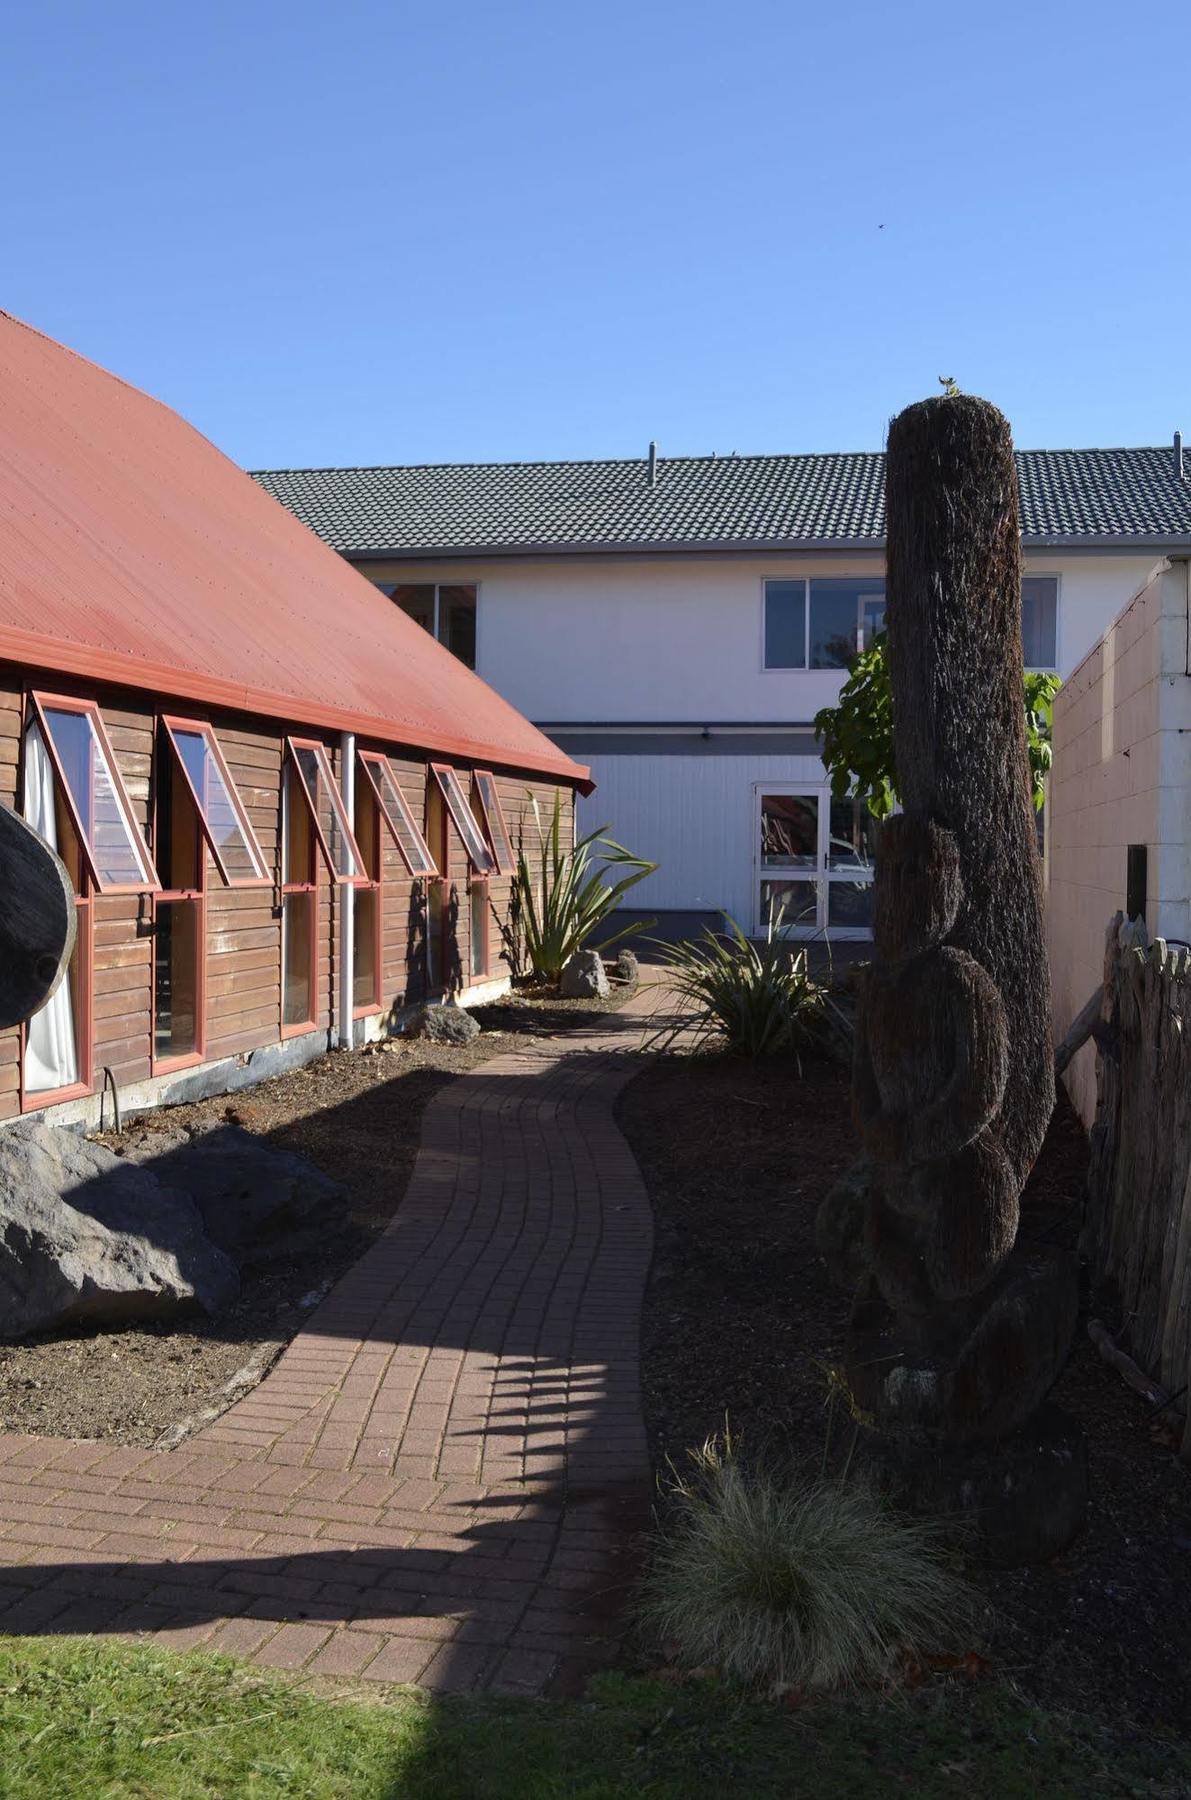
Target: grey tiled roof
pixel 1116 495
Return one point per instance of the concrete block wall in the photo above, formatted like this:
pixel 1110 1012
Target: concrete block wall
pixel 1121 776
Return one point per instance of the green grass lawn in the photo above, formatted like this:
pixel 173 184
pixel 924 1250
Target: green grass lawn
pixel 102 1722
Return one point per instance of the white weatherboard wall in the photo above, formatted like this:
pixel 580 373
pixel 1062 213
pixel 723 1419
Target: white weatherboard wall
pixel 1122 775
pixel 695 816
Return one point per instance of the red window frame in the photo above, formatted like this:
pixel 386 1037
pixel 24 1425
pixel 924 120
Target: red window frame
pixel 375 885
pixel 325 774
pixel 201 728
pixel 197 896
pixel 494 821
pixel 377 767
pixel 89 709
pixel 466 824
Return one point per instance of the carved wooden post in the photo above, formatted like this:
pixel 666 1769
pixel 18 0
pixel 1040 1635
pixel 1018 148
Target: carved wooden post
pixel 959 1332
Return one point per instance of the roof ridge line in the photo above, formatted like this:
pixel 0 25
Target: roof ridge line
pixel 709 456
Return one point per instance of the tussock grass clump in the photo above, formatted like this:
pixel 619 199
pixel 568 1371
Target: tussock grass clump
pixel 808 1585
pixel 755 999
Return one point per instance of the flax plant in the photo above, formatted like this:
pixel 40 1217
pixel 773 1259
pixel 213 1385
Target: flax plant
pixel 755 999
pixel 561 898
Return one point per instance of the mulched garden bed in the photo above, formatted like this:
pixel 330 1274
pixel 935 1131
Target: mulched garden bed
pixel 357 1115
pixel 742 1323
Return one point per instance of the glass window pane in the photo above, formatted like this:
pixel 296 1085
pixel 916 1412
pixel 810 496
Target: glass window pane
pixel 853 837
pixel 786 905
pixel 790 831
pixel 329 815
pixel 178 844
pixel 366 904
pixel 297 931
pixel 465 820
pixel 785 624
pixel 498 834
pixel 416 600
pixel 299 833
pixel 53 1053
pixel 366 825
pixel 1039 621
pixel 850 903
pixel 479 928
pixel 235 849
pixel 176 978
pixel 841 611
pixel 119 859
pixel 872 619
pixel 457 622
pixel 398 817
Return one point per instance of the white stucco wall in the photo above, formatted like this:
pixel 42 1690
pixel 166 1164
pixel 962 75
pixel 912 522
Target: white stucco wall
pixel 1122 775
pixel 601 640
pixel 618 639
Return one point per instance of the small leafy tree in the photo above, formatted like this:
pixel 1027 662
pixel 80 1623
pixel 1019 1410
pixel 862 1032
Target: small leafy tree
pixel 560 897
pixel 857 733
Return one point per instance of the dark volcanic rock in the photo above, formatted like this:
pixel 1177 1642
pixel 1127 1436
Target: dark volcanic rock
pixel 256 1201
pixel 85 1235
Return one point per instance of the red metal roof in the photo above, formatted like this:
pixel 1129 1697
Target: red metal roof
pixel 133 551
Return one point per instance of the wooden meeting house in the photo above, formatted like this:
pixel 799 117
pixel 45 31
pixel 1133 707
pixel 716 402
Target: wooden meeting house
pixel 287 812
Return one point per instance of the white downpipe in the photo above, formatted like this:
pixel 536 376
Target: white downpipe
pixel 347 911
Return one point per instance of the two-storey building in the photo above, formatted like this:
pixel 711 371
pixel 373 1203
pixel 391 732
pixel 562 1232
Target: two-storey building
pixel 676 624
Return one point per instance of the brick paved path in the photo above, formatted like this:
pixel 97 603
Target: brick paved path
pixel 439 1480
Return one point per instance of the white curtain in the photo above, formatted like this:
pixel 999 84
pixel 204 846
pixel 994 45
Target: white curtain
pixel 51 1057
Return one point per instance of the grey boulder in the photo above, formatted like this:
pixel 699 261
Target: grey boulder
pixel 443 1025
pixel 256 1202
pixel 85 1237
pixel 584 977
pixel 627 968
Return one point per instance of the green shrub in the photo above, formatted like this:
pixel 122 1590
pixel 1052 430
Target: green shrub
pixel 755 998
pixel 560 898
pixel 803 1584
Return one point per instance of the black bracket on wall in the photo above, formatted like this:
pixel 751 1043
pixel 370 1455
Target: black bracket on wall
pixel 1136 858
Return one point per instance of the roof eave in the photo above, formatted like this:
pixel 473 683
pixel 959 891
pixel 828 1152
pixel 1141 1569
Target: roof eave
pixel 1123 542
pixel 621 547
pixel 32 649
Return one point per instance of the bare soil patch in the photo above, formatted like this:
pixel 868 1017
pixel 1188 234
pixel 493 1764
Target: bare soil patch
pixel 741 1321
pixel 357 1115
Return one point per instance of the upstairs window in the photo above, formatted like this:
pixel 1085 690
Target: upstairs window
pixel 326 811
pixel 479 855
pixel 494 821
pixel 1040 621
pixel 221 814
pixel 446 610
pixel 822 623
pixel 394 810
pixel 116 854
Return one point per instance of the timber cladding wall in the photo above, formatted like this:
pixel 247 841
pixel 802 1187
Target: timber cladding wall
pixel 240 927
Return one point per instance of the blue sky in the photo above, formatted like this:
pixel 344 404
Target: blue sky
pixel 404 233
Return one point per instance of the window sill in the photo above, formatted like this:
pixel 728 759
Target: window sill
pixel 290 1031
pixel 80 1090
pixel 171 1065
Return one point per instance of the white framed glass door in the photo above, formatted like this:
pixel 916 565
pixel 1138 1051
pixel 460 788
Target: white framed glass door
pixel 813 866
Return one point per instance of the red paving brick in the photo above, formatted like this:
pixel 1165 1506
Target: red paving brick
pixel 391 1504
